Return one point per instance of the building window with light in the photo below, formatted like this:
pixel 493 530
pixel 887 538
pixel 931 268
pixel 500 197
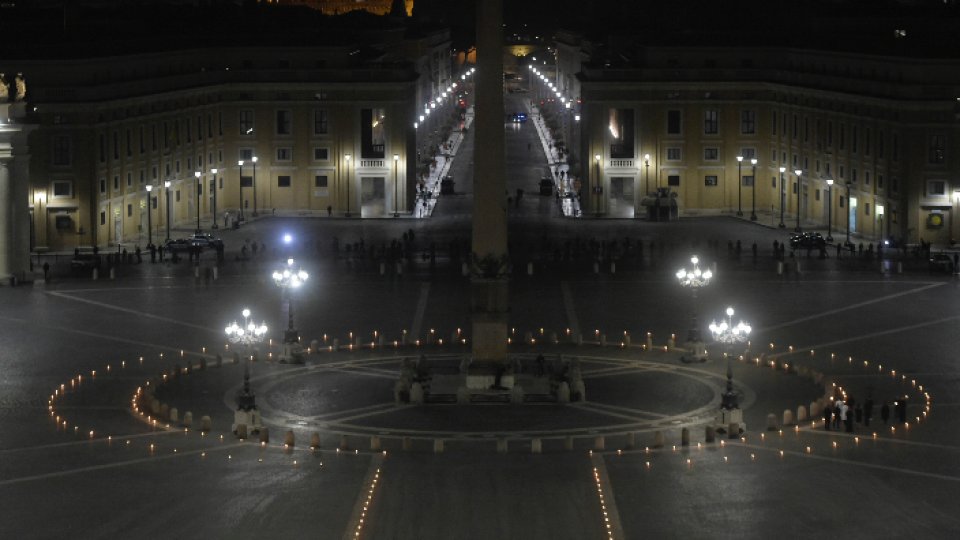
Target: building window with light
pixel 320 126
pixel 937 151
pixel 748 121
pixel 372 133
pixel 246 121
pixel 711 125
pixel 620 128
pixel 710 180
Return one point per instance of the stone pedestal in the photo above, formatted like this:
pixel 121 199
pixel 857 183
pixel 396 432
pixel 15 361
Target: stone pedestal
pixel 291 352
pixel 697 352
pixel 725 417
pixel 250 418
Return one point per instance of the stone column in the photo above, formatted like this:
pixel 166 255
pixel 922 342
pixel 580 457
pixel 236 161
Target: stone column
pixel 6 217
pixel 489 304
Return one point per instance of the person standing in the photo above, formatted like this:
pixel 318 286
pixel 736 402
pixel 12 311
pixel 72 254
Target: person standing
pixel 837 408
pixel 827 417
pixel 846 416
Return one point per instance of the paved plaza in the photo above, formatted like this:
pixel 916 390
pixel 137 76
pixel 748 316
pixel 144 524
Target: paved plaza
pixel 83 455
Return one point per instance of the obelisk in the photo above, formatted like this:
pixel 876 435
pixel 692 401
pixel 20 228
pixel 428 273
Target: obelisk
pixel 490 266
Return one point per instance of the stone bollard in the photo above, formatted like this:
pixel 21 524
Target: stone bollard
pixel 315 441
pixel 343 443
pixel 314 345
pixel 578 392
pixel 899 267
pixel 416 393
pixel 599 443
pixel 95 275
pixel 733 430
pixel 568 443
pixel 187 419
pixel 216 273
pixel 631 440
pixel 671 343
pixel 336 344
pixel 613 267
pixel 685 437
pixel 772 422
pixel 265 435
pixel 516 394
pixel 787 417
pixel 553 337
pixel 218 361
pixel 406 444
pixel 527 337
pixel 649 340
pixel 288 439
pixel 438 446
pixel 383 268
pixel 779 268
pixel 626 339
pixel 815 409
pixel 658 439
pixel 203 364
pixel 155 406
pixel 596 267
pixel 563 392
pixel 205 424
pixel 603 340
pixel 798 266
pixel 196 272
pixel 536 446
pixel 241 431
pixel 164 410
pixel 709 434
pixel 529 268
pixel 113 273
pixel 174 414
pixel 375 443
pixel 801 413
pixel 502 445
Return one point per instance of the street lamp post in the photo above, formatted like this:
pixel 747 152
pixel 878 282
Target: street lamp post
pixel 829 209
pixel 782 195
pixel 149 215
pixel 347 158
pixel 849 186
pixel 694 279
pixel 596 187
pixel 254 160
pixel 240 164
pixel 739 186
pixel 166 187
pixel 646 183
pixel 396 202
pixel 214 172
pixel 197 199
pixel 798 172
pixel 753 203
pixel 880 212
pixel 287 278
pixel 727 334
pixel 247 335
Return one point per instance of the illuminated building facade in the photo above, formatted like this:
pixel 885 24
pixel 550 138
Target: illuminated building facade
pixel 884 129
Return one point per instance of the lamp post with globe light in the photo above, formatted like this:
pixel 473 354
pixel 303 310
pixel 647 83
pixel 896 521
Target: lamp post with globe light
pixel 247 335
pixel 694 279
pixel 287 278
pixel 728 335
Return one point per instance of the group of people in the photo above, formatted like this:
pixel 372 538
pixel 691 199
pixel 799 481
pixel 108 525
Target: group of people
pixel 844 414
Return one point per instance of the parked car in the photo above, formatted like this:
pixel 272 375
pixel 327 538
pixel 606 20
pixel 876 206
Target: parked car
pixel 546 186
pixel 446 185
pixel 83 257
pixel 205 240
pixel 807 240
pixel 178 244
pixel 941 262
